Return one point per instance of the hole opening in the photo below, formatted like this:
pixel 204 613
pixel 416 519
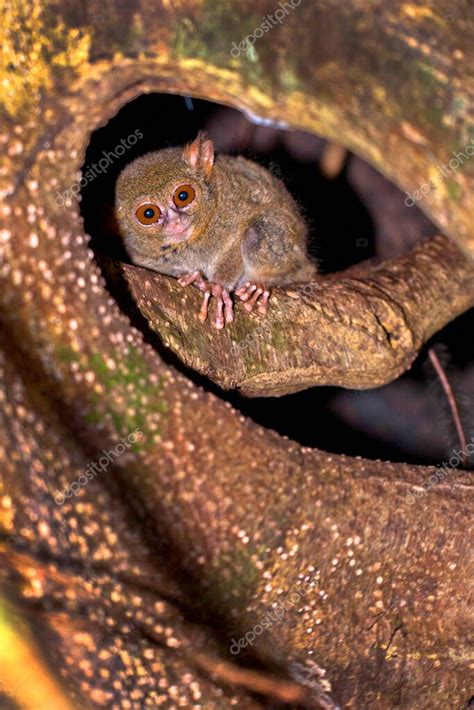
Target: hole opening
pixel 353 216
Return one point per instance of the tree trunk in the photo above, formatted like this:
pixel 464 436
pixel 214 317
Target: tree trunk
pixel 138 582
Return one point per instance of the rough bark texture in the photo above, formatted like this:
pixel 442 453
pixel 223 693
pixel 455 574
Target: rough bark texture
pixel 134 586
pixel 358 330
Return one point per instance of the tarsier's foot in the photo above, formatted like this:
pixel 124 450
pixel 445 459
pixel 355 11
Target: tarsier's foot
pixel 254 295
pixel 224 306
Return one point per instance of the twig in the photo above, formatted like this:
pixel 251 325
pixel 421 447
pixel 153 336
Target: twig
pixel 453 405
pixel 255 681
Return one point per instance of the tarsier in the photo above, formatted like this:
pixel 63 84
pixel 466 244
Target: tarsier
pixel 225 224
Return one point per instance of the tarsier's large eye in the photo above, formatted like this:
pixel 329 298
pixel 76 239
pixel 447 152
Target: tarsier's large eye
pixel 183 195
pixel 148 213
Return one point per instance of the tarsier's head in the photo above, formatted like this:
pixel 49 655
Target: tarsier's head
pixel 165 198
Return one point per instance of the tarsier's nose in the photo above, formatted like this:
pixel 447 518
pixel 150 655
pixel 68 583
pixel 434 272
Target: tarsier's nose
pixel 174 221
pixel 171 214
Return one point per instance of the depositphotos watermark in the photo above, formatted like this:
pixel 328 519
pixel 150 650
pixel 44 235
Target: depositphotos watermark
pixel 446 469
pixel 90 172
pixel 98 466
pixel 269 22
pixel 443 172
pixel 268 620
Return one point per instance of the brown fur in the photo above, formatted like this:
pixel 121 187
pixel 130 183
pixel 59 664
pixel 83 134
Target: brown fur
pixel 243 224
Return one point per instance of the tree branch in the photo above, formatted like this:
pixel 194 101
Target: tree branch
pixel 359 329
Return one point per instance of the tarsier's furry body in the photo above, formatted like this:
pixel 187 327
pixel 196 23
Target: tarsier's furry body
pixel 224 224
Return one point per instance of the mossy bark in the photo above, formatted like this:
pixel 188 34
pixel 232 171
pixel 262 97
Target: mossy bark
pixel 358 330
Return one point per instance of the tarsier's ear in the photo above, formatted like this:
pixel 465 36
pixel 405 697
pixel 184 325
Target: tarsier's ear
pixel 199 154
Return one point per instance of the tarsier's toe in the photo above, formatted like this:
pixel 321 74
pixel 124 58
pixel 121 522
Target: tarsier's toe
pixel 202 315
pixel 254 295
pixel 224 307
pixel 250 304
pixel 263 305
pixel 224 313
pixel 228 306
pixel 245 291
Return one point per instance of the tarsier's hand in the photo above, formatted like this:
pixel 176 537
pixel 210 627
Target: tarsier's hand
pixel 224 306
pixel 249 293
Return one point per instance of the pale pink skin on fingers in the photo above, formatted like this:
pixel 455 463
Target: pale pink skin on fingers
pixel 204 306
pixel 245 291
pixel 194 278
pixel 224 306
pixel 254 294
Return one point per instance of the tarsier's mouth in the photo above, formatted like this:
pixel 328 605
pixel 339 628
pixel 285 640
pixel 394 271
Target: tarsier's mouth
pixel 171 246
pixel 168 247
pixel 175 231
pixel 175 239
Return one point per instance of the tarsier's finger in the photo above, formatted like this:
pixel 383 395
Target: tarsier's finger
pixel 229 306
pixel 263 305
pixel 219 317
pixel 249 305
pixel 239 291
pixel 204 307
pixel 188 279
pixel 196 279
pixel 246 291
